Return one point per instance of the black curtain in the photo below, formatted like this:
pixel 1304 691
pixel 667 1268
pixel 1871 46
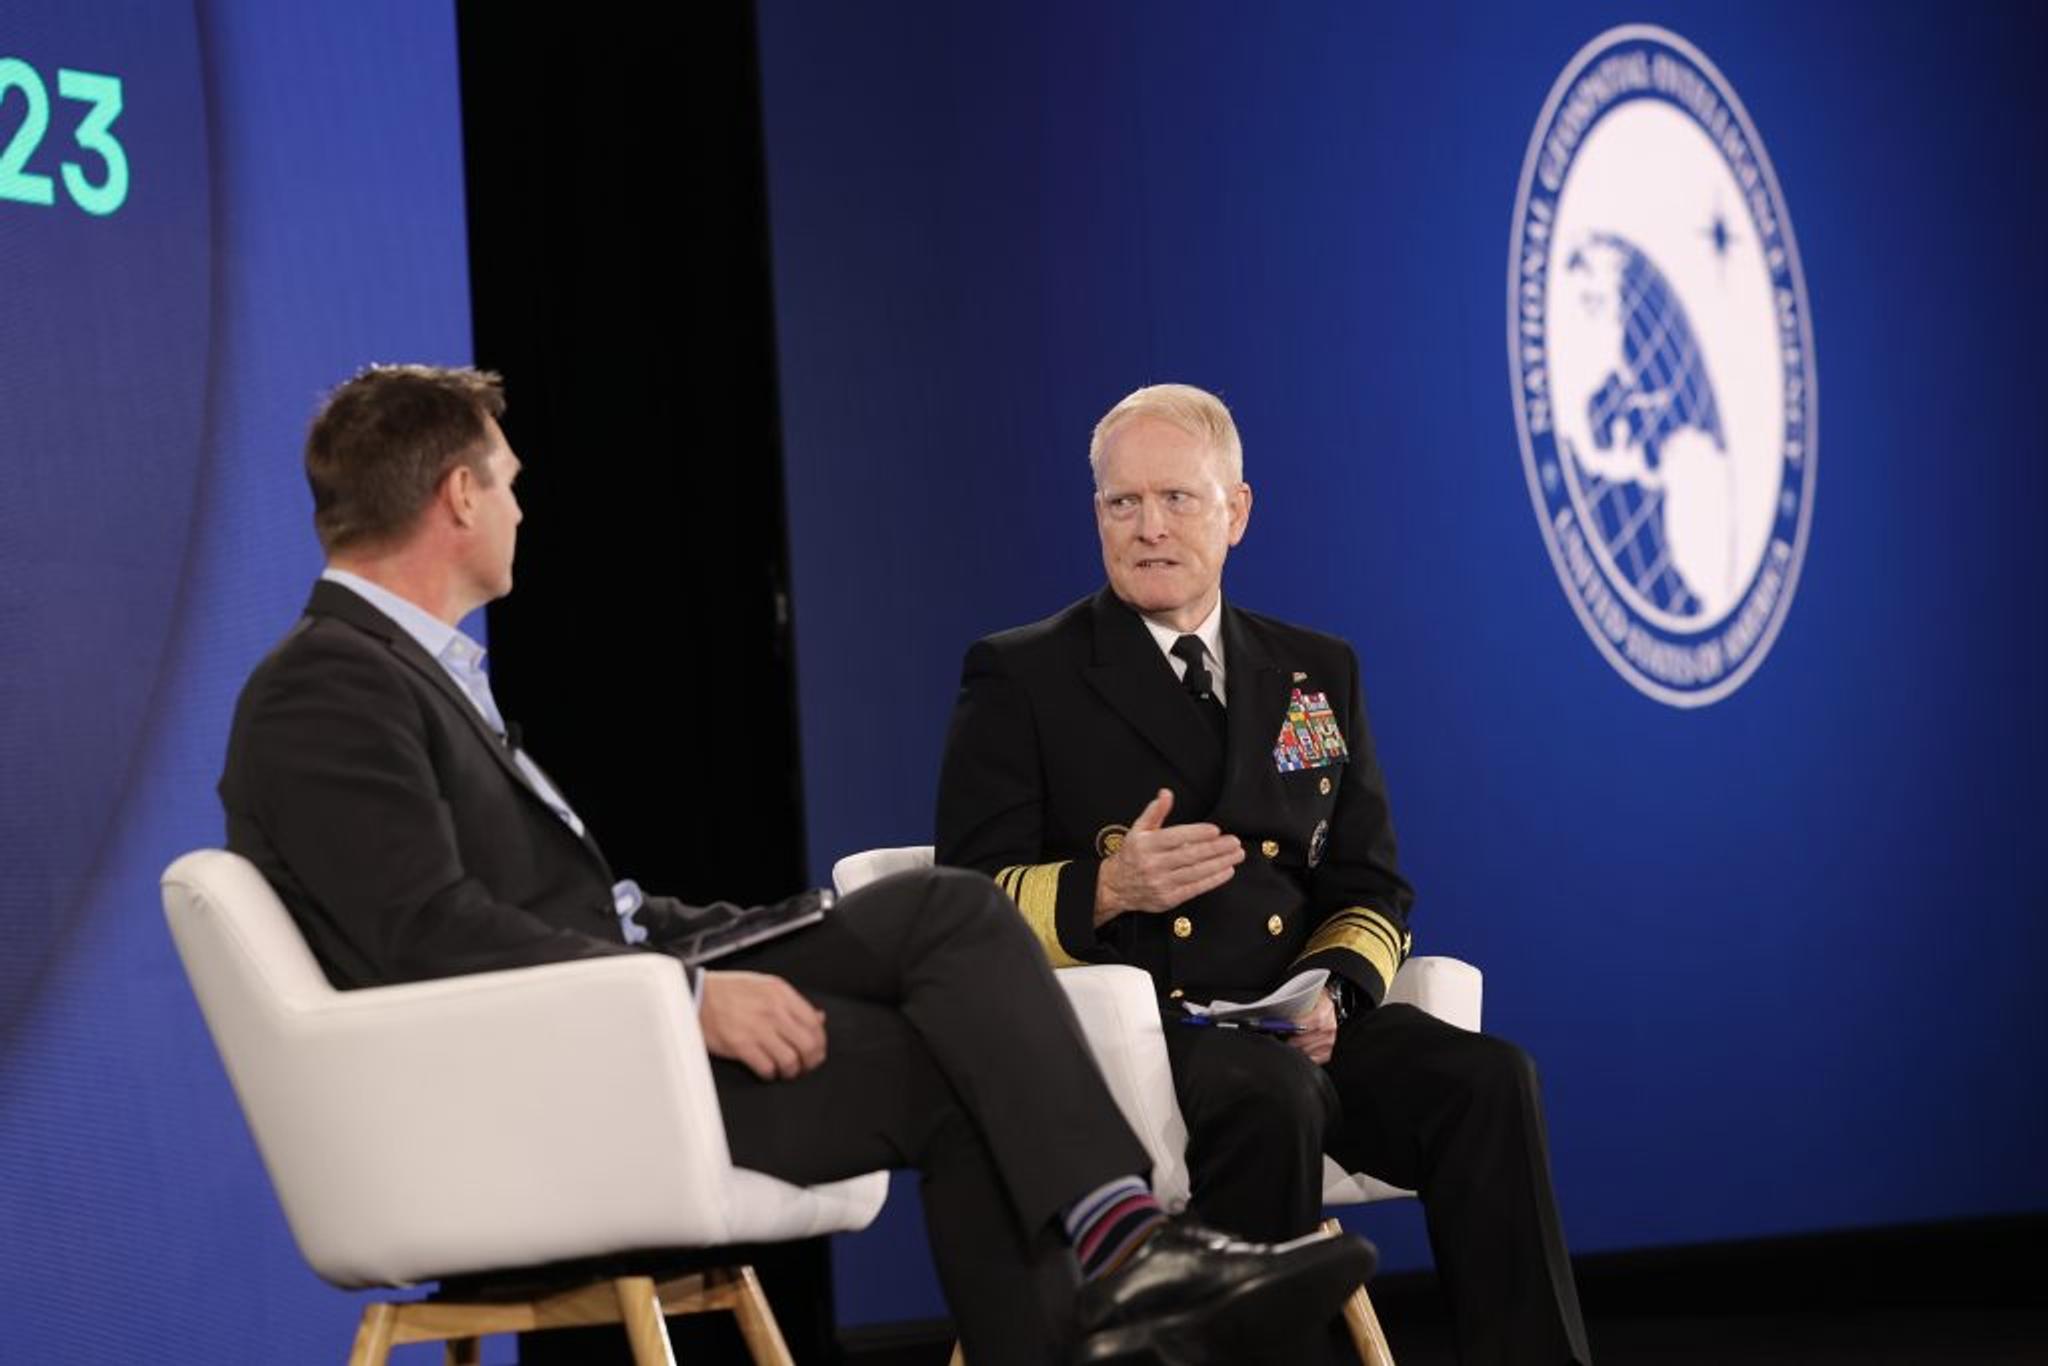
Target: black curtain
pixel 619 257
pixel 620 277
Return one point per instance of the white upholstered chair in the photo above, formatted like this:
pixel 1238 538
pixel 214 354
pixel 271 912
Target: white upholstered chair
pixel 486 1123
pixel 1119 1013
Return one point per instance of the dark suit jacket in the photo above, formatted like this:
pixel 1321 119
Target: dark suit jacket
pixel 1066 728
pixel 392 821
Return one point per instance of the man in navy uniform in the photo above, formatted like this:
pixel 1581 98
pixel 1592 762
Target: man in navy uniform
pixel 1159 777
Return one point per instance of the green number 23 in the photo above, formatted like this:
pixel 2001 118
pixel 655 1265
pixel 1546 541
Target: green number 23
pixel 103 93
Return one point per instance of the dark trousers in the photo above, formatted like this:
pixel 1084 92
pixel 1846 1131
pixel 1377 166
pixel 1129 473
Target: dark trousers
pixel 1452 1115
pixel 951 1050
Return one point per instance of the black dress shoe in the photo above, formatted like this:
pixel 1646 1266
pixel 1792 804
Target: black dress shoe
pixel 1192 1296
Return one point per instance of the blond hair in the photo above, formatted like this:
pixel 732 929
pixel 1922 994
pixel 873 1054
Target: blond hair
pixel 1197 412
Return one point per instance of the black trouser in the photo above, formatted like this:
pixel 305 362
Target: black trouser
pixel 1450 1114
pixel 950 1049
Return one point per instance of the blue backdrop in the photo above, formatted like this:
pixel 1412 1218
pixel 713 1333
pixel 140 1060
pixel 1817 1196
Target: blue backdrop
pixel 1779 957
pixel 293 211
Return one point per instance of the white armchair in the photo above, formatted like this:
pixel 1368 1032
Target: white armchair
pixel 1119 1014
pixel 486 1123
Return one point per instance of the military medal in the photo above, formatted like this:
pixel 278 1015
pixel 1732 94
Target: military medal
pixel 1317 842
pixel 1287 755
pixel 1322 723
pixel 1309 735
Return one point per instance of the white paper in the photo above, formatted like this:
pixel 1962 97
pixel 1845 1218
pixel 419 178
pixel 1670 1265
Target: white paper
pixel 1293 999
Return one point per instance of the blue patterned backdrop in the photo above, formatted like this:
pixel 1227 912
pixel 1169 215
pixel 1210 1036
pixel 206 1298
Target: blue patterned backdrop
pixel 294 210
pixel 1779 956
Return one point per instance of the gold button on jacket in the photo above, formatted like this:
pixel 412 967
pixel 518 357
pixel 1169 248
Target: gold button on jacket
pixel 1271 849
pixel 1182 927
pixel 1274 924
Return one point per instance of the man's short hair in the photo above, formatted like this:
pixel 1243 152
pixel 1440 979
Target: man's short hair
pixel 383 442
pixel 1197 412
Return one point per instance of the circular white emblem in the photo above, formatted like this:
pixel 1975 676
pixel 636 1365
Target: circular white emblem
pixel 1662 361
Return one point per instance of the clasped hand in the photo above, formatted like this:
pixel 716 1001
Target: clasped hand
pixel 1318 1036
pixel 1160 866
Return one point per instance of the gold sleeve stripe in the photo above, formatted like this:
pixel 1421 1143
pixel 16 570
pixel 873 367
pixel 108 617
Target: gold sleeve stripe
pixel 1394 934
pixel 1365 944
pixel 1358 920
pixel 1365 932
pixel 1385 929
pixel 1035 887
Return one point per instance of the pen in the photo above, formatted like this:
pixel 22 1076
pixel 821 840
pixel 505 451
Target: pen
pixel 1262 1024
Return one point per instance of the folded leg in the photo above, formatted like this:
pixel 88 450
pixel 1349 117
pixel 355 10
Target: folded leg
pixel 880 1101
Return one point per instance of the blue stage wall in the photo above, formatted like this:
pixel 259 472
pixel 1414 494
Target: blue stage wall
pixel 1779 956
pixel 293 210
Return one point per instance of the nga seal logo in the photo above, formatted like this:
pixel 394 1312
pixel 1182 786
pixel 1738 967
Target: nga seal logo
pixel 1662 361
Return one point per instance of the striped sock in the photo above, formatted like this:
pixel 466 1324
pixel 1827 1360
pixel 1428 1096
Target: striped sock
pixel 1107 1224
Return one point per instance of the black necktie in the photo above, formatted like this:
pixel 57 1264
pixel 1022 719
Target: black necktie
pixel 1199 685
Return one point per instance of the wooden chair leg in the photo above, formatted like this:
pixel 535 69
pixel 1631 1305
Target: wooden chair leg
pixel 640 1312
pixel 757 1321
pixel 1363 1323
pixel 373 1336
pixel 634 1302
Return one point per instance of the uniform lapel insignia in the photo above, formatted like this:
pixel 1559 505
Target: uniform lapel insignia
pixel 1317 842
pixel 1309 735
pixel 1109 839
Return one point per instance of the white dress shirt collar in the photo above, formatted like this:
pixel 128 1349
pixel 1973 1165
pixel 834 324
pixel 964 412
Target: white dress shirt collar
pixel 1211 635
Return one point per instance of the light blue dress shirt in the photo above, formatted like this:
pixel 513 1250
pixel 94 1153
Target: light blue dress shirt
pixel 462 659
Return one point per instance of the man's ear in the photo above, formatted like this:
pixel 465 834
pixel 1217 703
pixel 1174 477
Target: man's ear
pixel 1240 511
pixel 458 493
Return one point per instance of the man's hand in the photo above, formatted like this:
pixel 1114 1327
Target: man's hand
pixel 1160 866
pixel 761 1021
pixel 1318 1030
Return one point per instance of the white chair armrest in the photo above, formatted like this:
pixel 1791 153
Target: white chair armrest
pixel 1447 988
pixel 571 1110
pixel 856 871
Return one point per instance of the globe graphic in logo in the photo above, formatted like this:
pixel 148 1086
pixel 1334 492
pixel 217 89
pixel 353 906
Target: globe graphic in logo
pixel 1662 363
pixel 1657 395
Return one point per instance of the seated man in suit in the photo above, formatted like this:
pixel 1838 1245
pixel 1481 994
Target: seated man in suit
pixel 1161 778
pixel 370 777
